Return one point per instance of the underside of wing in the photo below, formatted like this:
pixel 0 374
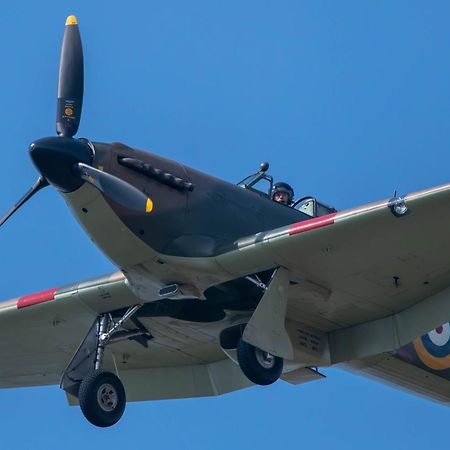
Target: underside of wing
pixel 361 264
pixel 40 333
pixel 397 372
pixel 360 284
pixel 371 282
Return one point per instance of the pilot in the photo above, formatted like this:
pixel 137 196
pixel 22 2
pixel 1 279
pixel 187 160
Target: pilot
pixel 282 193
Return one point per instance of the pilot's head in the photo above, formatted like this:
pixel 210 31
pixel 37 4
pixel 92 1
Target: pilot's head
pixel 282 193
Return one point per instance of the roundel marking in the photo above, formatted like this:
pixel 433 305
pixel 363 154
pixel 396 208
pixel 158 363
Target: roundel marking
pixel 441 335
pixel 433 349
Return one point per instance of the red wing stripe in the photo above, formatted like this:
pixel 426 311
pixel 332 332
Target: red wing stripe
pixel 37 297
pixel 311 224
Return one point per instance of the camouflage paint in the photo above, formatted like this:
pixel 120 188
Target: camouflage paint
pixel 201 222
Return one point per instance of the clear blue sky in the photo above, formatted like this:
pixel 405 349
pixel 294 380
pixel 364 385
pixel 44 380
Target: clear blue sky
pixel 347 100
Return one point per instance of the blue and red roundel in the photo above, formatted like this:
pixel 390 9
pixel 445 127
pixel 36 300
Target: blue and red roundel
pixel 433 349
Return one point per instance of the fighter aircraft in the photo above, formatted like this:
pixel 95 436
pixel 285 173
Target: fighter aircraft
pixel 218 287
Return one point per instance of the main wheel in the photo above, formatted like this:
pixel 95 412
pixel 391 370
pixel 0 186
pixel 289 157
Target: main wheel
pixel 259 366
pixel 102 398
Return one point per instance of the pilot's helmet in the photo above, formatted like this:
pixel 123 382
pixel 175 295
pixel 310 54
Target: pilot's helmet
pixel 283 187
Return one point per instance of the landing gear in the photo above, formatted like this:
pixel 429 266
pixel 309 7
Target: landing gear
pixel 266 329
pixel 259 366
pixel 102 398
pixel 100 393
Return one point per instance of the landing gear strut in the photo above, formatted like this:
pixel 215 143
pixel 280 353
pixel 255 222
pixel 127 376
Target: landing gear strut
pixel 101 394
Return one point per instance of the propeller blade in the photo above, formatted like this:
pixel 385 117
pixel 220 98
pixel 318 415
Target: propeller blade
pixel 70 81
pixel 40 184
pixel 116 189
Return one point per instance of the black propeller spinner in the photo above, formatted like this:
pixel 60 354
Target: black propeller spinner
pixel 63 161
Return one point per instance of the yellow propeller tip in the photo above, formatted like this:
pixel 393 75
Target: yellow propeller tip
pixel 149 206
pixel 71 20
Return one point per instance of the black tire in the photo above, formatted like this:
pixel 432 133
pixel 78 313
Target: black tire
pixel 258 366
pixel 102 398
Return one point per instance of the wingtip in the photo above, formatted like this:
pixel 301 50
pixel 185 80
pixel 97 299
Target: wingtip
pixel 71 20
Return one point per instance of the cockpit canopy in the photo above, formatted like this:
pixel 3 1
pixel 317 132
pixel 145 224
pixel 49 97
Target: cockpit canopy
pixel 261 184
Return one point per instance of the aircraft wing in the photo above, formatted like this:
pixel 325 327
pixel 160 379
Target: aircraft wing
pixel 39 334
pixel 373 280
pixel 370 281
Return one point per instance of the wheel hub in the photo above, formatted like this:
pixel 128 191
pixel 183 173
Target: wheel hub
pixel 265 359
pixel 107 397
